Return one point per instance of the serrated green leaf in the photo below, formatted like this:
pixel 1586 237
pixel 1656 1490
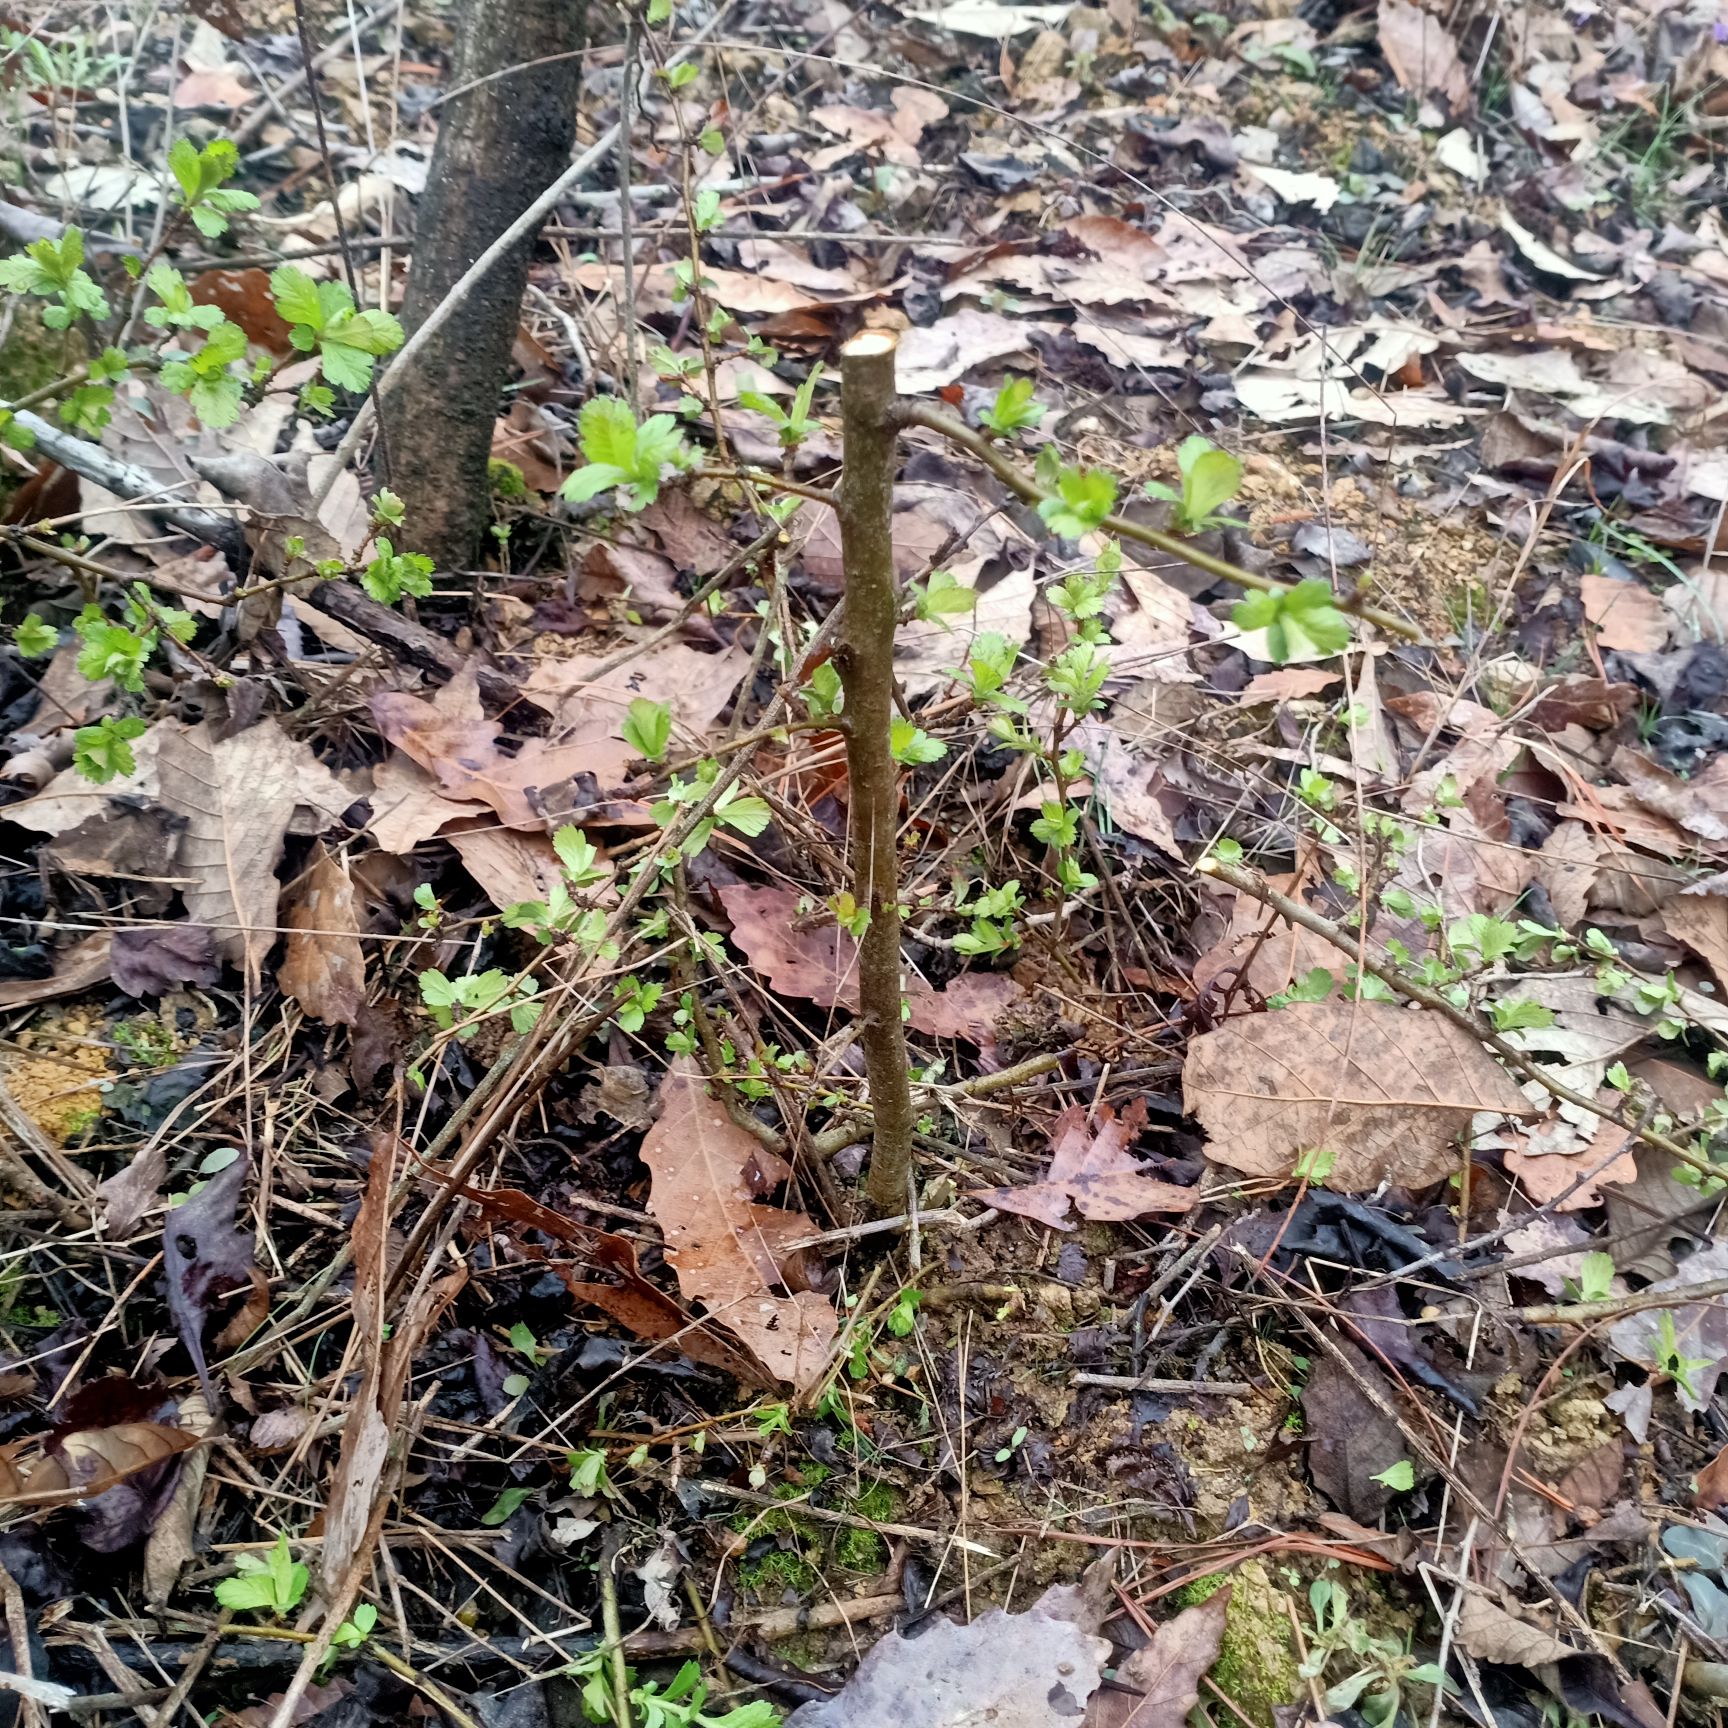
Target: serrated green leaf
pixel 748 816
pixel 35 637
pixel 607 431
pixel 592 480
pixel 296 297
pixel 647 727
pixel 1212 479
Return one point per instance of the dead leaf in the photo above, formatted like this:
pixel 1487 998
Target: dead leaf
pixel 1544 257
pixel 1008 1670
pixel 1699 805
pixel 724 1244
pixel 819 962
pixel 212 87
pixel 1276 953
pixel 1566 867
pixel 1092 1172
pixel 244 298
pixel 1710 1485
pixel 697 686
pixel 323 967
pixel 75 969
pixel 1548 1174
pixel 128 1194
pixel 173 1539
pixel 1127 786
pixel 238 797
pixel 388 1353
pixel 76 1466
pixel 924 653
pixel 1626 614
pixel 451 737
pixel 1700 1329
pixel 152 959
pixel 1701 922
pixel 1384 1088
pixel 1422 54
pixel 205 1256
pixel 1167 1671
pixel 407 806
pixel 1490 1634
pixel 940 353
pixel 1352 1440
pixel 1593 1483
pixel 510 867
pixel 1286 684
pixel 894 134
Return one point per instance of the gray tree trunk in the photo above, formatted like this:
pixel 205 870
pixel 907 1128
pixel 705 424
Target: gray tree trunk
pixel 499 146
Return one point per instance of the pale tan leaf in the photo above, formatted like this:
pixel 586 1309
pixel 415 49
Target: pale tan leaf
pixel 1699 805
pixel 1701 922
pixel 1384 1088
pixel 1546 1175
pixel 695 685
pixel 323 967
pixel 173 1539
pixel 1286 684
pixel 947 350
pixel 1490 1634
pixel 69 798
pixel 724 1244
pixel 510 867
pixel 1626 614
pixel 407 806
pixel 1421 53
pixel 76 968
pixel 923 653
pixel 1566 867
pixel 237 797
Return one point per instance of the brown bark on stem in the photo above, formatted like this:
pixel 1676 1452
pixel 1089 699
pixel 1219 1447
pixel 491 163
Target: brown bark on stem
pixel 865 660
pixel 499 145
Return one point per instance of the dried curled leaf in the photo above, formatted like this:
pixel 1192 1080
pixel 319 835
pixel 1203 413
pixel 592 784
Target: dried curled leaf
pixel 62 1469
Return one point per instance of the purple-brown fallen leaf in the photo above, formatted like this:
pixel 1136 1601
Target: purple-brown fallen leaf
pixel 1094 1173
pixel 152 959
pixel 820 964
pixel 1167 1672
pixel 206 1256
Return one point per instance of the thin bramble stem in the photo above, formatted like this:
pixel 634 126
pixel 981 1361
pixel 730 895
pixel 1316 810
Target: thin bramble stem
pixel 865 661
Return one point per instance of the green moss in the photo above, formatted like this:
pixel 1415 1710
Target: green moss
pixel 860 1551
pixel 776 1572
pixel 81 1122
pixel 35 355
pixel 505 479
pixel 147 1041
pixel 1257 1667
pixel 850 1549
